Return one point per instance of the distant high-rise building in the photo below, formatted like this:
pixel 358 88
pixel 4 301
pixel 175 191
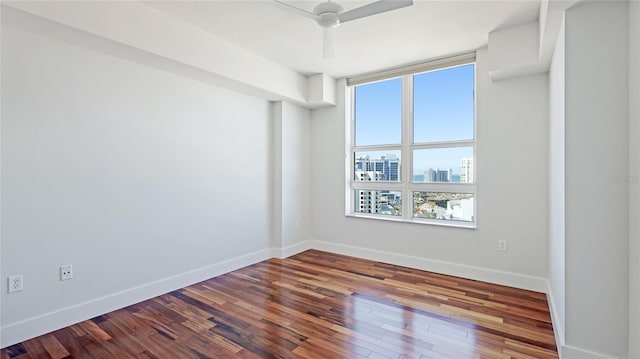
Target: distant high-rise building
pixel 430 175
pixel 387 166
pixel 367 201
pixel 438 175
pixel 466 170
pixel 393 169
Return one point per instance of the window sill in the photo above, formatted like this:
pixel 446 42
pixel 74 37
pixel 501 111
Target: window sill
pixel 433 222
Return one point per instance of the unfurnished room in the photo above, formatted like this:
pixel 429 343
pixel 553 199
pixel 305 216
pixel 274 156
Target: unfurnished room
pixel 320 179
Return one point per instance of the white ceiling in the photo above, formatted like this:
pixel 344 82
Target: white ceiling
pixel 426 30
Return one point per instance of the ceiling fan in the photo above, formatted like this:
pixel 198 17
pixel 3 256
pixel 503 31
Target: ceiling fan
pixel 330 14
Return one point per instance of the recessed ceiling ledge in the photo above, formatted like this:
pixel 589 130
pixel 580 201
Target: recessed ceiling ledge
pixel 321 90
pixel 527 49
pixel 514 51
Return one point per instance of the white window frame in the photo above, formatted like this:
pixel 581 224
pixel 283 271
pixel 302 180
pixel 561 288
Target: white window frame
pixel 406 186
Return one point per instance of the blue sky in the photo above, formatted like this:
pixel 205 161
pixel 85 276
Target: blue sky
pixel 443 110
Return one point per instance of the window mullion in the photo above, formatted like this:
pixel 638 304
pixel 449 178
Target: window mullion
pixel 376 186
pixel 444 144
pixel 350 141
pixel 407 141
pixel 377 148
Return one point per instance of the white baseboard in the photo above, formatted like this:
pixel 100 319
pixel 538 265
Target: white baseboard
pixel 45 323
pixel 556 322
pixel 570 352
pixel 455 269
pixel 293 249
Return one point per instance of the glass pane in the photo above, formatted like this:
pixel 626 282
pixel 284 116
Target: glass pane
pixel 447 206
pixel 443 105
pixel 378 113
pixel 376 166
pixel 380 202
pixel 454 164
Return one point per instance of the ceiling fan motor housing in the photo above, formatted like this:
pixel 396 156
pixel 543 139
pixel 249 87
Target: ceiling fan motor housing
pixel 327 13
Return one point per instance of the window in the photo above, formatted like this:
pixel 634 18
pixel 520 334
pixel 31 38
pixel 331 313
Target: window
pixel 412 144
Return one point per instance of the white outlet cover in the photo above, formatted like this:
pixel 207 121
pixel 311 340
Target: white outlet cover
pixel 502 245
pixel 15 283
pixel 66 272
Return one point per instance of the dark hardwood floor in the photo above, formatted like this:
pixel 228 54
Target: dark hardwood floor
pixel 315 305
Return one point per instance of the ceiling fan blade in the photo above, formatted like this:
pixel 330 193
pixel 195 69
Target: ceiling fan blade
pixel 373 9
pixel 292 9
pixel 327 43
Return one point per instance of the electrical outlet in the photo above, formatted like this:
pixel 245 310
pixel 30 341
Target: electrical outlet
pixel 15 283
pixel 66 272
pixel 502 245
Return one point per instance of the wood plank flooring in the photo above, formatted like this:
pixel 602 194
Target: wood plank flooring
pixel 315 305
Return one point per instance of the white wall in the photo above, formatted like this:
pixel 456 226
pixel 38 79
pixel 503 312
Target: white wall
pixel 292 175
pixel 634 179
pixel 512 192
pixel 597 191
pixel 557 186
pixel 131 174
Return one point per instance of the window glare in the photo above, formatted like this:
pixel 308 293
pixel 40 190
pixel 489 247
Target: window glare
pixel 378 113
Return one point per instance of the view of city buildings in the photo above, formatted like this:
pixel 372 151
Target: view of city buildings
pixel 386 168
pixel 437 205
pixel 451 206
pixel 438 175
pixel 381 202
